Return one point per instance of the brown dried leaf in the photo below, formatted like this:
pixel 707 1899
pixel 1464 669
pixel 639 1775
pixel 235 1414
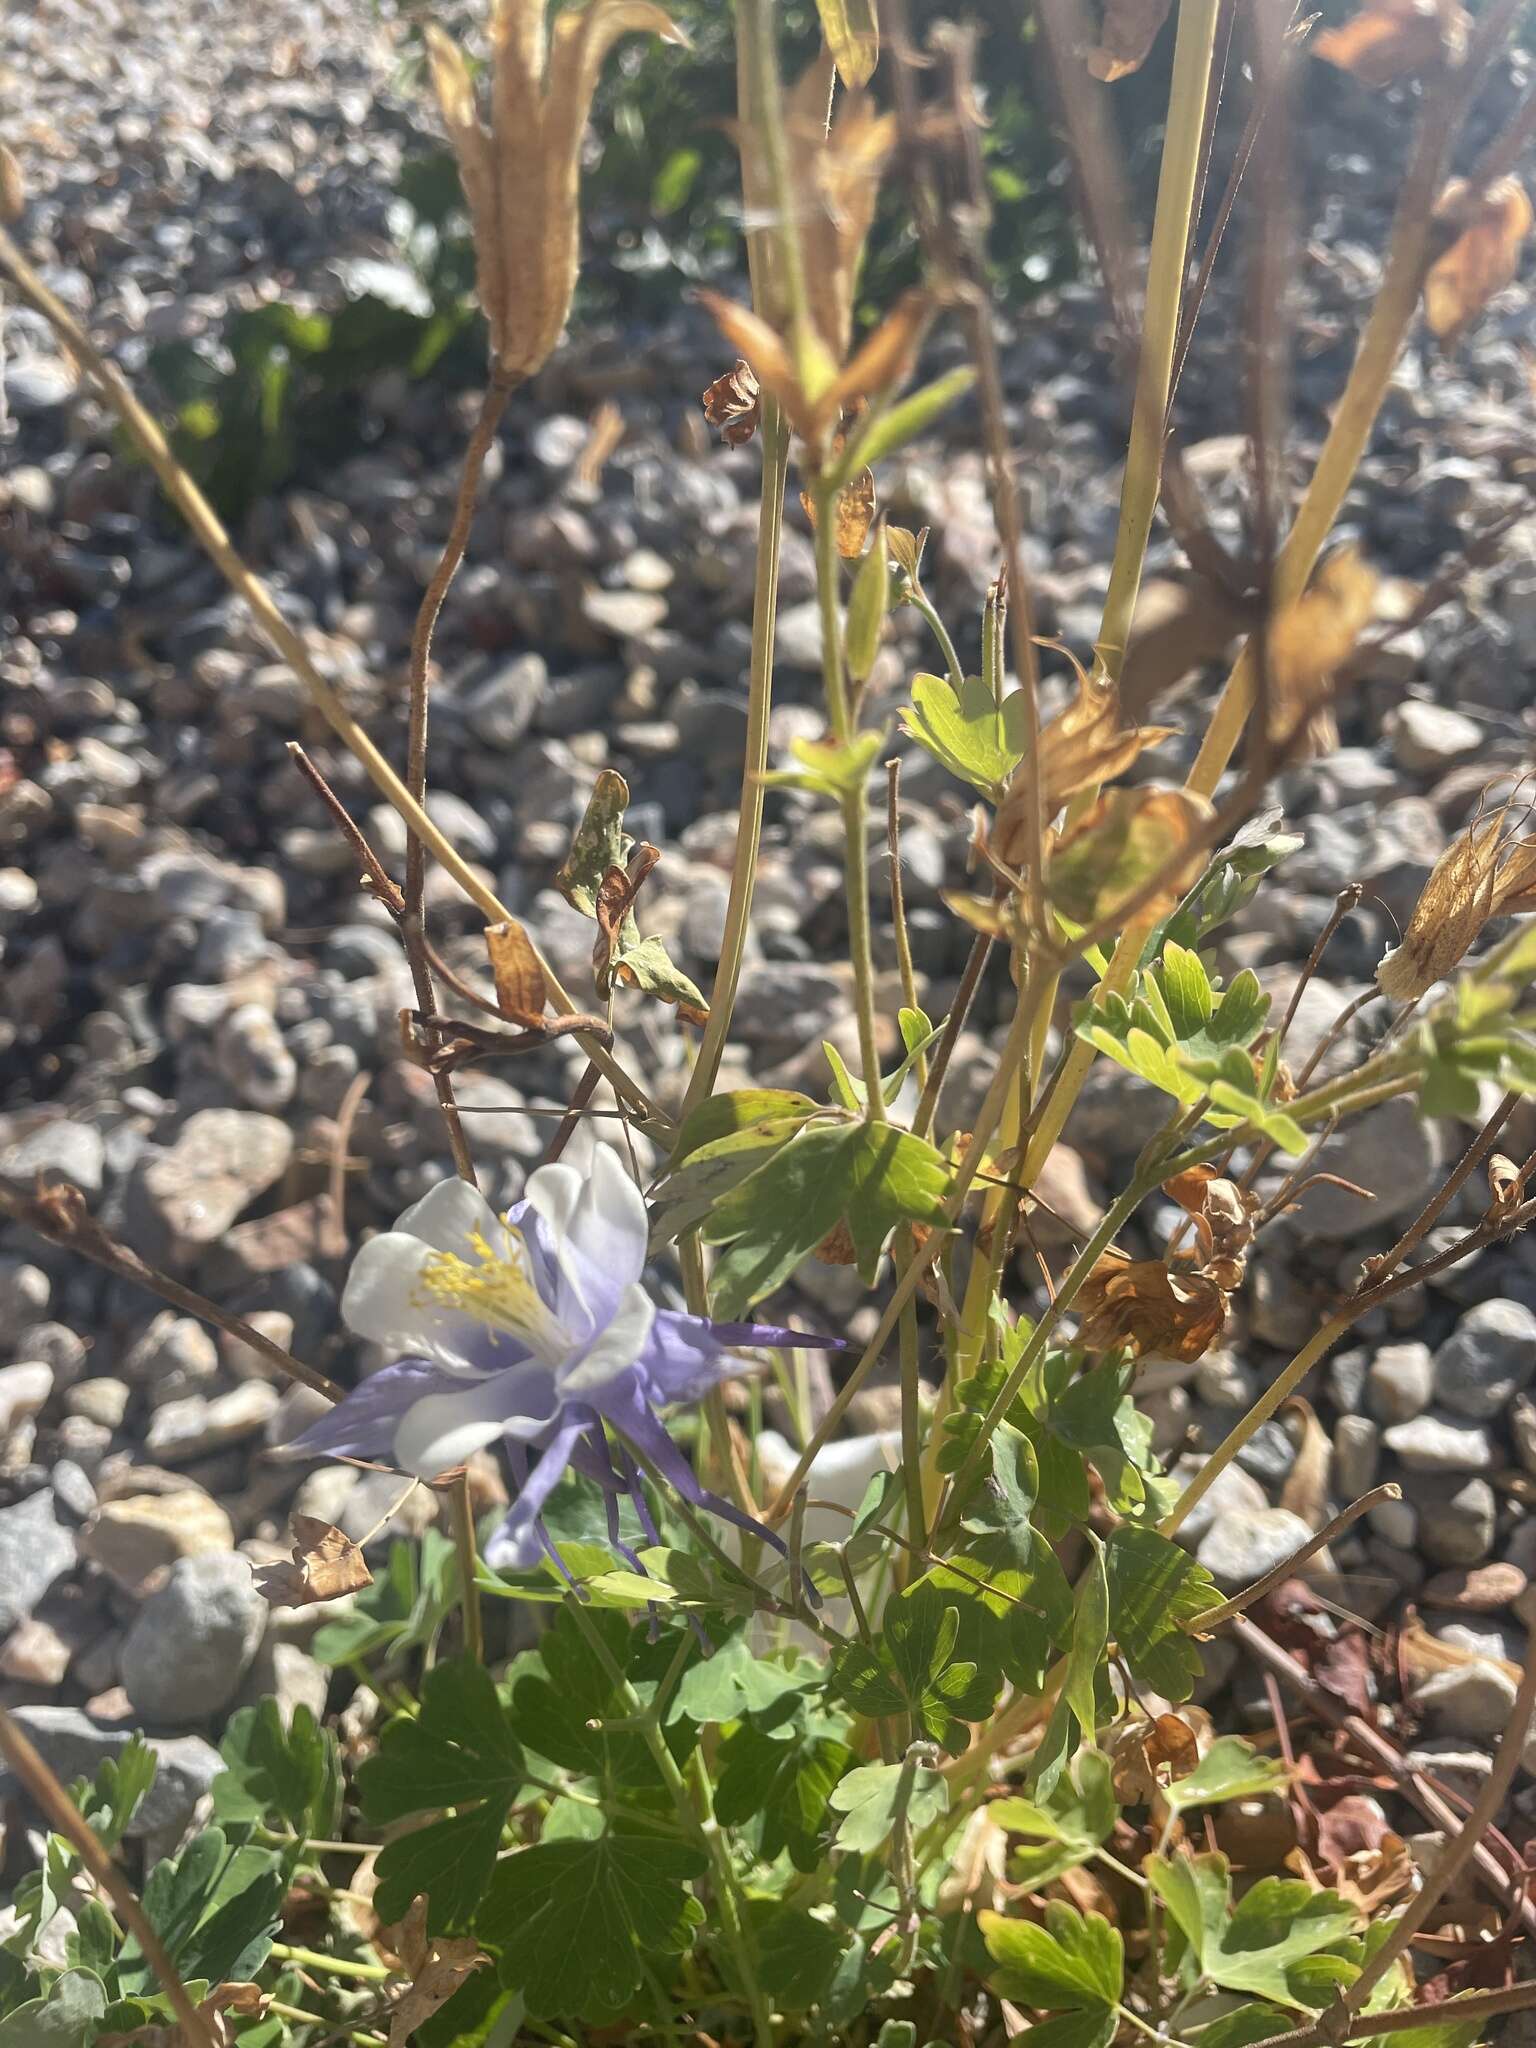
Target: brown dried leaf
pixel 733 403
pixel 1506 1184
pixel 763 349
pixel 325 1565
pixel 836 175
pixel 1147 1755
pixel 1491 228
pixel 886 357
pixel 837 1247
pixel 520 986
pixel 1454 905
pixel 1127 33
pixel 1391 39
pixel 1310 640
pixel 1145 1306
pixel 437 1964
pixel 855 514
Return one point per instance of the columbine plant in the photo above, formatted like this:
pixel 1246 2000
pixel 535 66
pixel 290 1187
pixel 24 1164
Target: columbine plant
pixel 921 1766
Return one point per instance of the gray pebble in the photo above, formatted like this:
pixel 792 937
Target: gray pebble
pixel 59 1150
pixel 74 1746
pixel 1401 1382
pixel 1440 1443
pixel 1239 1548
pixel 36 1550
pixel 1488 1358
pixel 193 1641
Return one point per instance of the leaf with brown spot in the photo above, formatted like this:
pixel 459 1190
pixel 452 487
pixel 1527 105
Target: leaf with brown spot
pixel 1392 39
pixel 1491 228
pixel 855 514
pixel 600 843
pixel 520 986
pixel 1143 1305
pixel 437 1965
pixel 1120 845
pixel 733 403
pixel 852 32
pixel 1309 641
pixel 1126 34
pixel 324 1565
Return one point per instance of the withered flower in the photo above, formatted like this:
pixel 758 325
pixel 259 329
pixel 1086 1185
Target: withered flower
pixel 522 175
pixel 1223 1215
pixel 1488 872
pixel 1144 1305
pixel 733 403
pixel 1309 641
pixel 802 356
pixel 1490 227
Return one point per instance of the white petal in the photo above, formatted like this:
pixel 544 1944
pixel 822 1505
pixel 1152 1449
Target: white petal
pixel 614 1349
pixel 383 1300
pixel 448 1216
pixel 443 1429
pixel 609 1226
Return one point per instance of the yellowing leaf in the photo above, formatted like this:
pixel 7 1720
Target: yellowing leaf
pixel 852 31
pixel 1484 256
pixel 1128 32
pixel 1391 39
pixel 854 514
pixel 1105 861
pixel 515 968
pixel 1310 640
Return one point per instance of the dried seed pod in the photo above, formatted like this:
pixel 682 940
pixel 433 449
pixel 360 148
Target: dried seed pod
pixel 1485 873
pixel 522 175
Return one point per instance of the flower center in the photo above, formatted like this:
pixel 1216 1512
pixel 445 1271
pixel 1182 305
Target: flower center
pixel 495 1286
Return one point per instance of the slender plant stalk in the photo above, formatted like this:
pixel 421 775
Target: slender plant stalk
pixel 62 1814
pixel 1381 343
pixel 699 1821
pixel 1187 97
pixel 209 531
pixel 1213 1617
pixel 462 1511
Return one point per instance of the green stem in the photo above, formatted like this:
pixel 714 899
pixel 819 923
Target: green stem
pixel 988 1117
pixel 1187 95
pixel 749 821
pixel 923 605
pixel 911 1403
pixel 301 2018
pixel 698 1820
pixel 334 1966
pixel 463 1513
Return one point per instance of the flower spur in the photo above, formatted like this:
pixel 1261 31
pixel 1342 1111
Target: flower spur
pixel 535 1329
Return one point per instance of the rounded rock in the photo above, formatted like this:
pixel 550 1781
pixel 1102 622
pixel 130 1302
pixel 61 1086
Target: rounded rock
pixel 1239 1548
pixel 1487 1359
pixel 194 1640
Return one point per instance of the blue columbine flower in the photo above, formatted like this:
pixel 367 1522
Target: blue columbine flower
pixel 533 1328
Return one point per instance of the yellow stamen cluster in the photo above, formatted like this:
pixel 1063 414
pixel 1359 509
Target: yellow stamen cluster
pixel 495 1287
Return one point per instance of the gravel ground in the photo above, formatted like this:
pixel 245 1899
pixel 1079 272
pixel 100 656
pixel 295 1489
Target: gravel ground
pixel 193 981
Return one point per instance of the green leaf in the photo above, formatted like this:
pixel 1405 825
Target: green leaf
pixel 1078 1818
pixel 784 1782
pixel 459 1751
pixel 1074 1963
pixel 874 1176
pixel 969 733
pixel 898 424
pixel 829 767
pixel 64 2018
pixel 1230 1769
pixel 852 32
pixel 796 1954
pixel 736 1679
pixel 1243 2026
pixel 111 1800
pixel 600 843
pixel 216 1909
pixel 645 964
pixel 912 1669
pixel 551 1710
pixel 739 1109
pixel 274 1774
pixel 1155 1588
pixel 580 1921
pixel 1186 990
pixel 873 1799
pixel 868 603
pixel 1278 1923
pixel 691 1189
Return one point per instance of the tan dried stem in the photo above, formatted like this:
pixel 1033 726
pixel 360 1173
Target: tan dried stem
pixel 60 1215
pixel 209 531
pixel 64 1816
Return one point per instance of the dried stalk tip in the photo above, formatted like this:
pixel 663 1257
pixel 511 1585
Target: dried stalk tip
pixel 13 190
pixel 1488 872
pixel 522 175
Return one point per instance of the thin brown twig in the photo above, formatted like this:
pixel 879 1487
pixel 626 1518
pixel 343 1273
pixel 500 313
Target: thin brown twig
pixel 565 1130
pixel 63 1815
pixel 954 1024
pixel 375 874
pixel 1470 2007
pixel 1213 1617
pixel 60 1215
pixel 1455 1181
pixel 413 929
pixel 346 1117
pixel 1418 1786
